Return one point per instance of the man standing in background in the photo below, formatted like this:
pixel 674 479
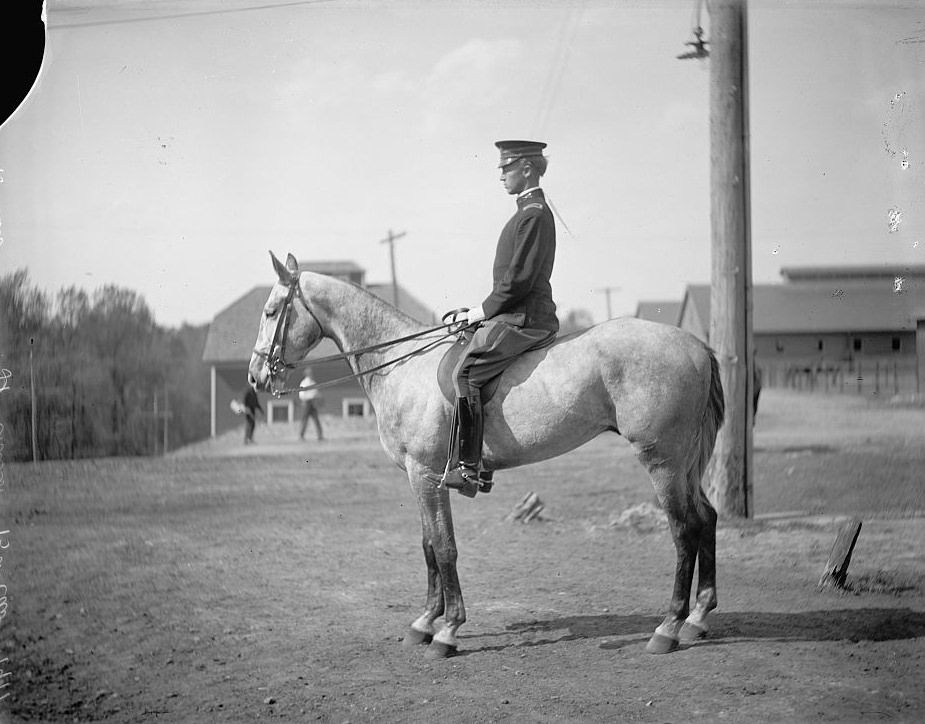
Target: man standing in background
pixel 310 399
pixel 251 405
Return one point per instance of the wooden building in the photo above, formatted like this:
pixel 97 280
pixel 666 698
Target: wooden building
pixel 230 342
pixel 842 327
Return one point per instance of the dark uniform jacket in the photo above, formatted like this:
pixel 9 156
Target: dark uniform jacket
pixel 522 293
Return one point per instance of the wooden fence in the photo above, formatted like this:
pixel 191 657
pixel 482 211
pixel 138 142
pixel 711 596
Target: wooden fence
pixel 857 376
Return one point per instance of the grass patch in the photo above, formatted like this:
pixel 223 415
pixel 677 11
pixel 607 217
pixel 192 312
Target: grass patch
pixel 892 583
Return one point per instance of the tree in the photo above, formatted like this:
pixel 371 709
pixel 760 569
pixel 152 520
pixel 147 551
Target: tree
pixel 99 360
pixel 575 321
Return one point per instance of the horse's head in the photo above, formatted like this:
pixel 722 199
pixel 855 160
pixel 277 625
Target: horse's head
pixel 288 328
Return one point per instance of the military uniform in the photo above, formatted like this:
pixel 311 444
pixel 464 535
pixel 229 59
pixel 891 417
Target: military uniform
pixel 518 315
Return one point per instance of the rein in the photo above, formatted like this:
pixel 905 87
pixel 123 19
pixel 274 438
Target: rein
pixel 275 357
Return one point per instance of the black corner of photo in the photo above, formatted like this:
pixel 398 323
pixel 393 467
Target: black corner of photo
pixel 22 46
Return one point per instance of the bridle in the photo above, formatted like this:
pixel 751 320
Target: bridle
pixel 275 356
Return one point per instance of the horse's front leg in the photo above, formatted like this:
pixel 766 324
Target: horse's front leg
pixel 444 596
pixel 422 629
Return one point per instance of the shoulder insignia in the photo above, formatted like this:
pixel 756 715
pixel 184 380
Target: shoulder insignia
pixel 533 206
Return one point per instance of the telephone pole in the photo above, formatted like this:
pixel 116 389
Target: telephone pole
pixel 729 476
pixel 390 240
pixel 607 291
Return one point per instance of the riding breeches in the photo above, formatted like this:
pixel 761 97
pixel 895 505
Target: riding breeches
pixel 493 348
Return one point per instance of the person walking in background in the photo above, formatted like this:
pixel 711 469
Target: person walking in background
pixel 310 398
pixel 251 405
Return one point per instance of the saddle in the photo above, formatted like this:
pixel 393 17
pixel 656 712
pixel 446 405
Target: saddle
pixel 445 373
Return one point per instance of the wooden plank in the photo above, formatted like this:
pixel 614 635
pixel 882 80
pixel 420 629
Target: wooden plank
pixel 836 568
pixel 526 510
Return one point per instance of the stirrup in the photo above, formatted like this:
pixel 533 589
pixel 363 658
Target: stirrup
pixel 462 480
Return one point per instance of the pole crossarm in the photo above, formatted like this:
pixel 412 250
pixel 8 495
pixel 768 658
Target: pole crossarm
pixel 607 291
pixel 390 240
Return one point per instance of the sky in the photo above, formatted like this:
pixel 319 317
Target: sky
pixel 168 145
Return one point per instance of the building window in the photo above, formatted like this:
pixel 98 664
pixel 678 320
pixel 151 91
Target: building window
pixel 279 412
pixel 356 407
pixel 779 346
pixel 897 344
pixel 857 344
pixel 819 345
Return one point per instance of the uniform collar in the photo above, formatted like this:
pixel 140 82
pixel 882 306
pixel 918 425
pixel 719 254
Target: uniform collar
pixel 535 193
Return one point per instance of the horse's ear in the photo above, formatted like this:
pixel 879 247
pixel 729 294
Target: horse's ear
pixel 285 277
pixel 292 264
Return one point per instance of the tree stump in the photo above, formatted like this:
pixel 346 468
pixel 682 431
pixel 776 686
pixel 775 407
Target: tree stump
pixel 836 569
pixel 526 510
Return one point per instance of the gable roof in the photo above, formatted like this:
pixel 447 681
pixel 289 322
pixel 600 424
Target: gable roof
pixel 863 273
pixel 332 268
pixel 667 312
pixel 807 308
pixel 233 330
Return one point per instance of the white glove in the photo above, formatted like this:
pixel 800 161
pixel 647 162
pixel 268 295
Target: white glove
pixel 475 315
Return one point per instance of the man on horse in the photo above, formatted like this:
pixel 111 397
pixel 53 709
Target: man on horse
pixel 518 315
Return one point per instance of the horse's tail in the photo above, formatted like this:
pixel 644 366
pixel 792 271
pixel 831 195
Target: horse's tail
pixel 714 412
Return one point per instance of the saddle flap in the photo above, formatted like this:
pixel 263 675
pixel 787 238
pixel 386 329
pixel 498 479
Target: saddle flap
pixel 445 374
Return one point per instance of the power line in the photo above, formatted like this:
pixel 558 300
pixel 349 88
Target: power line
pixel 173 16
pixel 556 72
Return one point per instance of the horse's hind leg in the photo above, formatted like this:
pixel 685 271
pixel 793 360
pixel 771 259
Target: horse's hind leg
pixel 674 494
pixel 695 627
pixel 685 535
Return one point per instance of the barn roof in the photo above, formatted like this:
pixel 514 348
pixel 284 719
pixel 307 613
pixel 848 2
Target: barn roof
pixel 794 308
pixel 233 330
pixel 864 273
pixel 665 311
pixel 332 268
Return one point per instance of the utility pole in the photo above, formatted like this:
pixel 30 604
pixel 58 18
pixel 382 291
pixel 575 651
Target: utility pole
pixel 729 475
pixel 390 240
pixel 166 415
pixel 155 415
pixel 35 441
pixel 607 291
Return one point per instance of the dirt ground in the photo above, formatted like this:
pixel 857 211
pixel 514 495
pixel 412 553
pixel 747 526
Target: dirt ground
pixel 275 582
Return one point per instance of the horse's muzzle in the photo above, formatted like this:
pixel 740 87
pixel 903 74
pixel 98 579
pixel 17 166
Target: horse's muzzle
pixel 258 374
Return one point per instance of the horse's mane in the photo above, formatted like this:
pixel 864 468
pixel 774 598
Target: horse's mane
pixel 386 308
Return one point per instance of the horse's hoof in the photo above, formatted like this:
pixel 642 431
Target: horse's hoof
pixel 660 644
pixel 440 650
pixel 416 638
pixel 691 632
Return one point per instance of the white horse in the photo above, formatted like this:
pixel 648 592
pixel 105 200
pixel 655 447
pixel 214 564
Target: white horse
pixel 654 384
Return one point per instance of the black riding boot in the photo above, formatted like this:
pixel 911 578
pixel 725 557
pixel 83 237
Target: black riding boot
pixel 470 433
pixel 465 477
